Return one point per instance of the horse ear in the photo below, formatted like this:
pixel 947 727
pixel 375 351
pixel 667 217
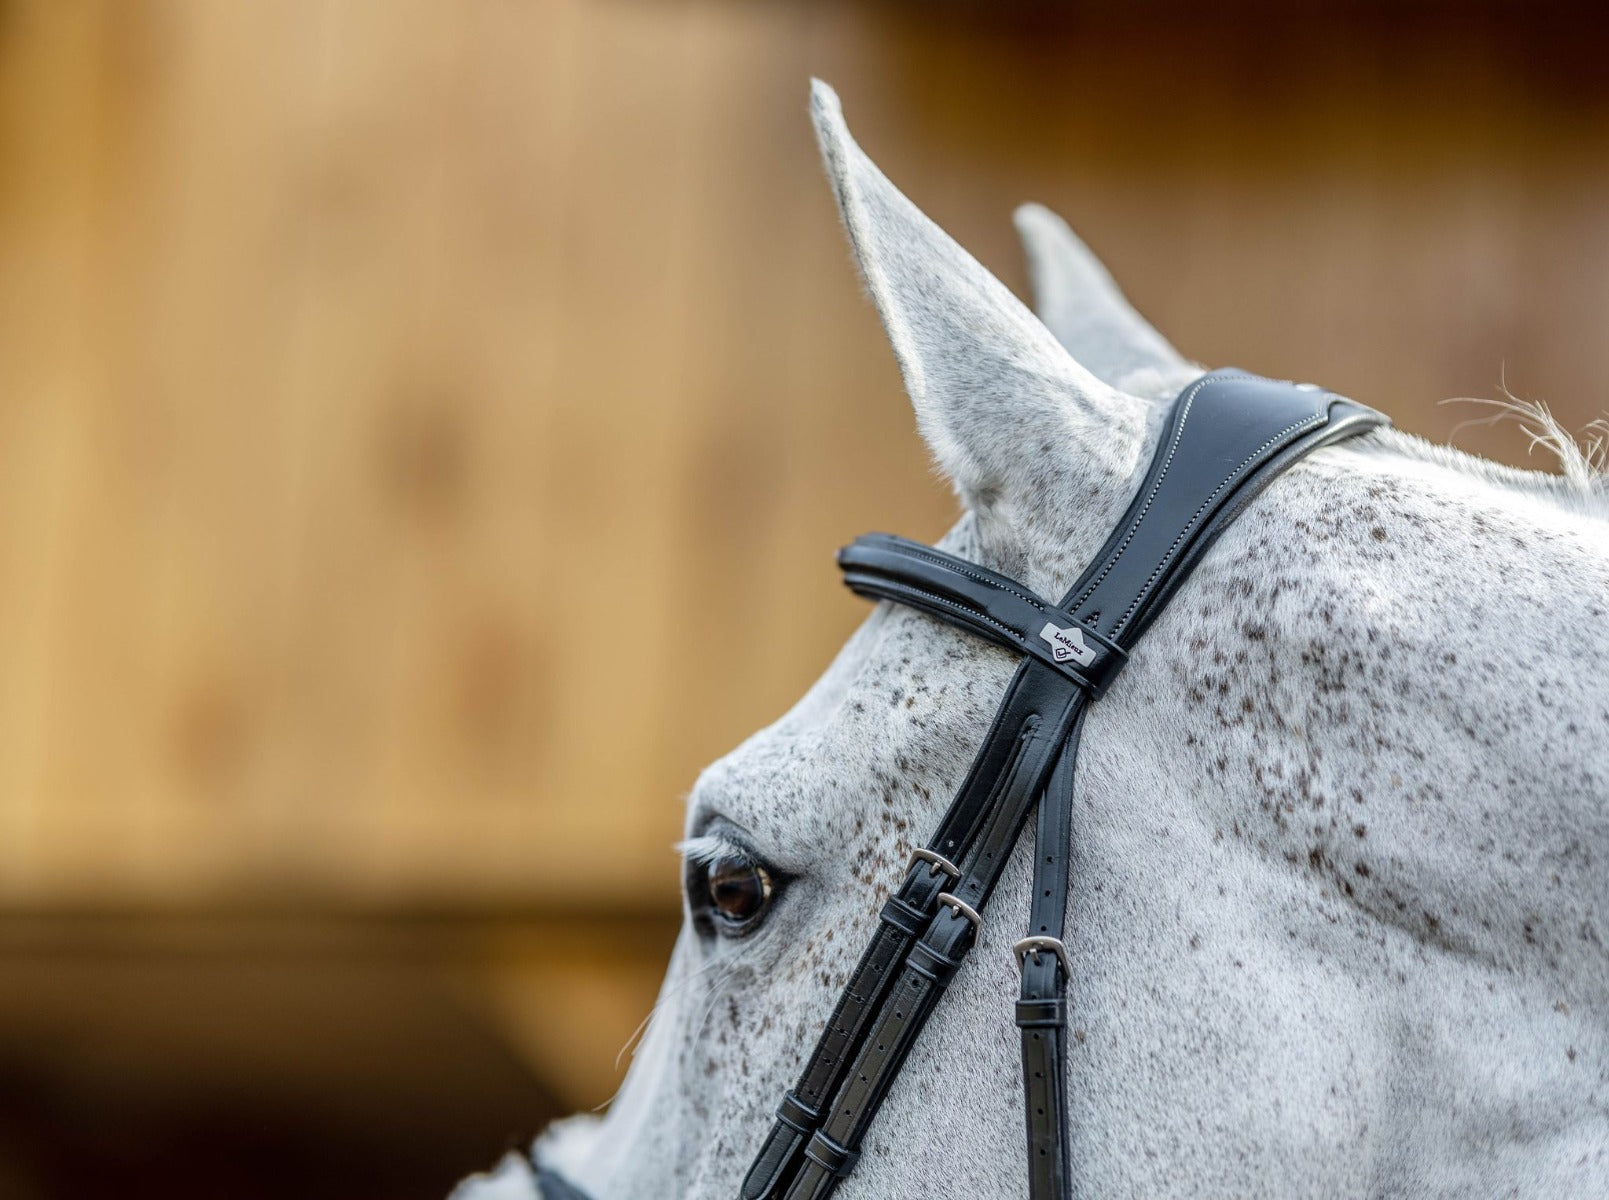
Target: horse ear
pixel 1078 301
pixel 992 389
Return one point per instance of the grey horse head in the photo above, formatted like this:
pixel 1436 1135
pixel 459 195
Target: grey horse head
pixel 1340 903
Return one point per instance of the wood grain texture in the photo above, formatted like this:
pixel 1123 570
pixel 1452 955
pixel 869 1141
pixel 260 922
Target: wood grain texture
pixel 424 426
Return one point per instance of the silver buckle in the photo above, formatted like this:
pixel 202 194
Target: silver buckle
pixel 1033 945
pixel 935 863
pixel 960 908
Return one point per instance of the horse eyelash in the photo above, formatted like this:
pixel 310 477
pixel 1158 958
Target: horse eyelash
pixel 709 848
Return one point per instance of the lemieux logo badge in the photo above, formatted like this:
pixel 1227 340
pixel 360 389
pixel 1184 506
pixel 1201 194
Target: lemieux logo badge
pixel 1068 645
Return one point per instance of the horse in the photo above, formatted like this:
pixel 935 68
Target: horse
pixel 1340 902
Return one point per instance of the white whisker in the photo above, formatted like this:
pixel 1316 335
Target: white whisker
pixel 723 971
pixel 664 998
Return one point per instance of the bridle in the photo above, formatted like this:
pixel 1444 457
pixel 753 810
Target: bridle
pixel 1228 435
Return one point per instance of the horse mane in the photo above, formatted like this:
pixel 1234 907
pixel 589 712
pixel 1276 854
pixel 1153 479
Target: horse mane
pixel 1581 484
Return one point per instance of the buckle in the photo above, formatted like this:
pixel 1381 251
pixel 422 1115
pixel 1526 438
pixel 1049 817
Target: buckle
pixel 935 863
pixel 960 908
pixel 1033 945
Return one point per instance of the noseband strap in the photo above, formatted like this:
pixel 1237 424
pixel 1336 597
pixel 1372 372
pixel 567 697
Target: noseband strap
pixel 1228 435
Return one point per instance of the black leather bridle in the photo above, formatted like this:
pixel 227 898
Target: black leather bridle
pixel 1228 435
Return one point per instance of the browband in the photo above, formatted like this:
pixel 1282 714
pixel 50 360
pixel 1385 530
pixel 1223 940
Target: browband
pixel 1228 435
pixel 881 566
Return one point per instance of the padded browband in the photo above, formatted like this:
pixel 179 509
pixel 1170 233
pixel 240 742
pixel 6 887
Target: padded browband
pixel 881 566
pixel 1228 434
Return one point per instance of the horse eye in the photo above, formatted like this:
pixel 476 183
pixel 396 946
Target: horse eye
pixel 739 892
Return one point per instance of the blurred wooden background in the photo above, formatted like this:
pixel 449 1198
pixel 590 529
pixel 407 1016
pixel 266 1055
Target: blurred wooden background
pixel 424 429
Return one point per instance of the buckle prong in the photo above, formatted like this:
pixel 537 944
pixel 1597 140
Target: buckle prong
pixel 935 863
pixel 1033 945
pixel 960 908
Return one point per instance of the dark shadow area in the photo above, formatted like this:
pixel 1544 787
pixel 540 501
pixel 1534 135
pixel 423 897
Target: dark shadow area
pixel 182 1078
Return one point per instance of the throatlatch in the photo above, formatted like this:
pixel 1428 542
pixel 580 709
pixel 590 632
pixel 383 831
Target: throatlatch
pixel 1229 434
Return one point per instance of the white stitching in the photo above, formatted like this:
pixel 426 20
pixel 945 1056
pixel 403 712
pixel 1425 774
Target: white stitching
pixel 1045 610
pixel 984 580
pixel 1188 405
pixel 1317 418
pixel 1018 639
pixel 934 598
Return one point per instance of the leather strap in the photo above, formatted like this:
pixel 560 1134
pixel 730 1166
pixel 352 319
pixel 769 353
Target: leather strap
pixel 1046 971
pixel 881 566
pixel 1031 697
pixel 1228 435
pixel 934 960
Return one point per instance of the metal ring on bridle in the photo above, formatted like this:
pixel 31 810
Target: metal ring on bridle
pixel 935 863
pixel 1033 945
pixel 960 908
